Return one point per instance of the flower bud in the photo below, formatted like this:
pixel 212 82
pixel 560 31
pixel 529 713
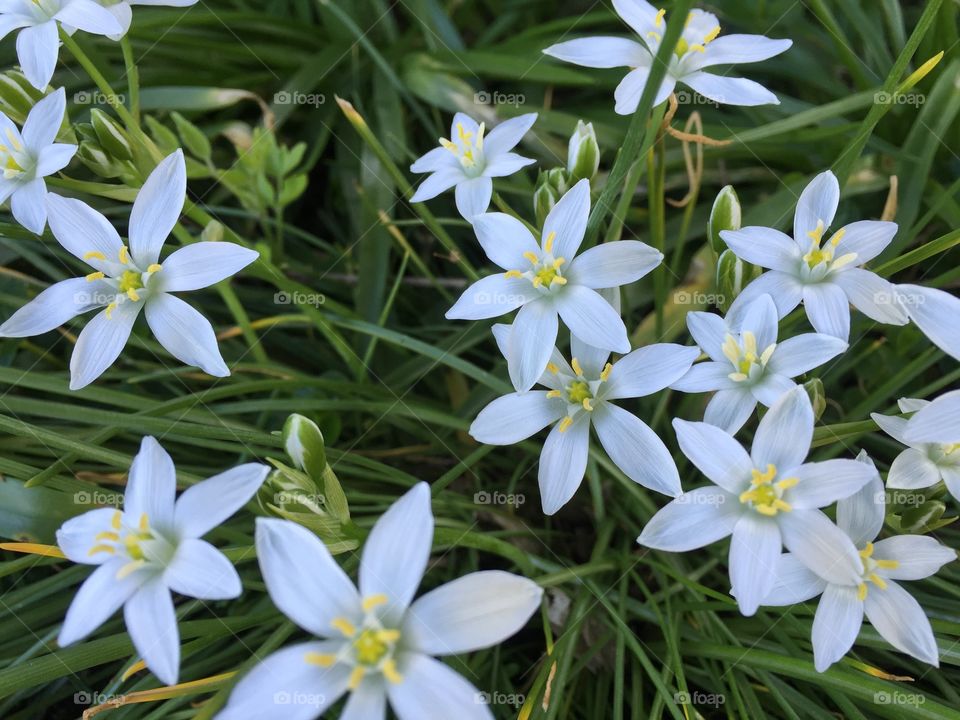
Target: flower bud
pixel 551 185
pixel 303 442
pixel 818 398
pixel 733 275
pixel 725 215
pixel 583 153
pixel 113 139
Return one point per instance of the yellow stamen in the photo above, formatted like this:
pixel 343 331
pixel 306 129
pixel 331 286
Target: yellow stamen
pixel 144 522
pixel 101 548
pixel 559 280
pixel 565 424
pixel 788 483
pixel 320 659
pixel 452 147
pixel 109 311
pixel 862 591
pixel 552 368
pixel 94 254
pixel 130 568
pixel 838 236
pixel 117 520
pixel 587 405
pixel 344 626
pixel 712 35
pixel 374 601
pixel 356 677
pixel 532 257
pixel 888 564
pixel 106 535
pixel 124 255
pixel 817 233
pixel 513 274
pixel 605 375
pixel 575 364
pixel 554 394
pixel 389 671
pixel 95 276
pixel 877 580
pixel 390 636
pixel 867 551
pixel 132 294
pixel 156 267
pixel 548 242
pixel 658 21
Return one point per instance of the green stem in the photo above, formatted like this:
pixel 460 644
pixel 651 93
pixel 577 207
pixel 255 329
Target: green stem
pixel 99 80
pixel 133 78
pixel 655 195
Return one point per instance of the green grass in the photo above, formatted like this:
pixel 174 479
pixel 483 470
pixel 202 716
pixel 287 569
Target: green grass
pixel 365 351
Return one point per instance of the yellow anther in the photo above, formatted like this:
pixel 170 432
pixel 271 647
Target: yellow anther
pixel 548 241
pixel 788 483
pixel 130 568
pixel 605 375
pixel 389 670
pixel 479 142
pixel 768 510
pixel 712 35
pixel 463 134
pixel 109 310
pixel 513 274
pixel 132 294
pixel 565 424
pixel 862 591
pixel 537 281
pixel 156 267
pixel 552 368
pixel 124 255
pixel 374 601
pixel 345 627
pixel 877 580
pixel 559 280
pixel 682 47
pixel 658 21
pixel 554 394
pixel 451 146
pixel 356 677
pixel 558 262
pixel 698 47
pixel 838 236
pixel 321 659
pixel 95 276
pixel 117 520
pixel 101 548
pixel 94 255
pixel 654 35
pixel 389 636
pixel 779 504
pixel 144 523
pixel 867 551
pixel 888 564
pixel 532 257
pixel 737 376
pixel 106 535
pixel 587 405
pixel 575 364
pixel 817 233
pixel 763 478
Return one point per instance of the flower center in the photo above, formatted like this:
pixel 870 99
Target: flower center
pixel 766 492
pixel 141 544
pixel 579 393
pixel 695 37
pixel 870 567
pixel 747 363
pixel 128 281
pixel 467 147
pixel 544 270
pixel 818 255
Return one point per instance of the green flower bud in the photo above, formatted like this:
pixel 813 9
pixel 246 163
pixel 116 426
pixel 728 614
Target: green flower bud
pixel 725 215
pixel 733 275
pixel 818 397
pixel 583 153
pixel 551 185
pixel 303 442
pixel 113 139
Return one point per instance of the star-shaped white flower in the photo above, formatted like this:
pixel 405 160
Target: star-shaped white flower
pixel 376 643
pixel 892 611
pixel 938 422
pixel 545 280
pixel 924 463
pixel 765 499
pixel 747 365
pixel 826 274
pixel 469 161
pixel 38 42
pixel 581 394
pixel 699 48
pixel 27 158
pixel 128 281
pixel 935 312
pixel 153 547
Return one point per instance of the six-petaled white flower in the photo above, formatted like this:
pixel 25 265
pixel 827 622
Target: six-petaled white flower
pixel 545 280
pixel 765 499
pixel 151 547
pixel 938 422
pixel 747 365
pixel 376 642
pixel 38 42
pixel 826 274
pixel 699 47
pixel 935 312
pixel 873 566
pixel 469 161
pixel 28 157
pixel 579 395
pixel 127 281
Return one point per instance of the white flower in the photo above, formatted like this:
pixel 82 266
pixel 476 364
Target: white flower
pixel 151 547
pixel 27 158
pixel 468 160
pixel 876 565
pixel 128 281
pixel 38 43
pixel 764 499
pixel 924 463
pixel 698 48
pixel 545 280
pixel 747 365
pixel 825 274
pixel 581 394
pixel 123 12
pixel 935 312
pixel 938 422
pixel 374 642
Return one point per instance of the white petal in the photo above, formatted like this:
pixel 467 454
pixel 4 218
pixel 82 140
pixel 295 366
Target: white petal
pixel 472 612
pixel 828 309
pixel 157 209
pixel 730 90
pixel 823 483
pixel 793 583
pixel 532 340
pixel 506 164
pixel 754 551
pixel 785 432
pixel 303 579
pixel 43 122
pixel 763 246
pixel 716 454
pixel 709 331
pixel 818 202
pixel 151 485
pixel 473 197
pixel 797 355
pixel 367 702
pixel 185 333
pixel 492 296
pixel 821 546
pixel 860 516
pixel 636 449
pixel 730 409
pixel 592 319
pixel 505 240
pixel 836 625
pixel 507 135
pixel 601 52
pixel 152 625
pixel 100 343
pixel 613 264
pixel 649 369
pixel 29 207
pixel 202 264
pixel 54 158
pixel 285 685
pixel 568 219
pixel 199 570
pixel 469 124
pixel 563 461
pixel 515 417
pixel 77 536
pixel 397 549
pixel 430 689
pixel 895 427
pixel 706 377
pixel 55 305
pixel 434 160
pixel 761 318
pixel 81 230
pixel 638 14
pixel 938 422
pixel 694 520
pixel 784 288
pixel 207 504
pixel 935 312
pixel 37 49
pixel 898 617
pixel 919 556
pixel 592 360
pixel 866 238
pixel 100 596
pixel 733 49
pixel 9 23
pixel 912 470
pixel 872 295
pixel 88 16
pixel 440 181
pixel 771 388
pixel 501 333
pixel 630 90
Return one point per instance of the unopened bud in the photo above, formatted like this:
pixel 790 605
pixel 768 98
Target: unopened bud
pixel 303 442
pixel 725 215
pixel 583 153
